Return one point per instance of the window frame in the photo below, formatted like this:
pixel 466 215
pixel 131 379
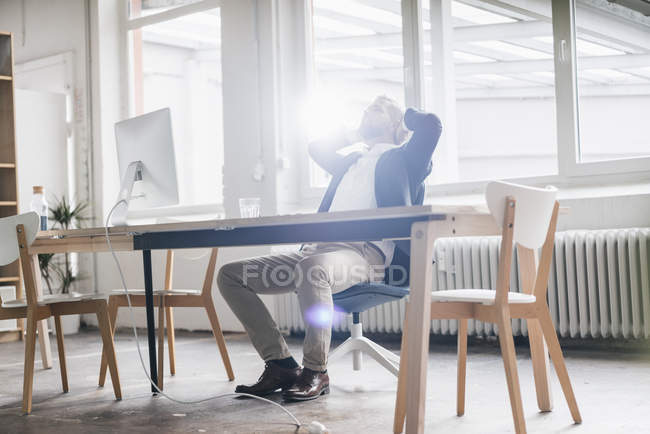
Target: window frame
pixel 129 88
pixel 570 170
pixel 170 14
pixel 133 88
pixel 567 100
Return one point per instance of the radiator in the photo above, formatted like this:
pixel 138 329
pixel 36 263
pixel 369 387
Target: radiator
pixel 599 286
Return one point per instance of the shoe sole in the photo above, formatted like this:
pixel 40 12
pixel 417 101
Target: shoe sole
pixel 261 395
pixel 266 393
pixel 325 391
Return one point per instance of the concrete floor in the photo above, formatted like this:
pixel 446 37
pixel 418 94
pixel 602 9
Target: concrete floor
pixel 612 386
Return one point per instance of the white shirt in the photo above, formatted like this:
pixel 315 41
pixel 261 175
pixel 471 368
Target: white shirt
pixel 357 190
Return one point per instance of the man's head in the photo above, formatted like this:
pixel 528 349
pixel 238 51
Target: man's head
pixel 382 122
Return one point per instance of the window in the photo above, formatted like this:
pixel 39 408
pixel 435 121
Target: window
pixel 357 56
pixel 613 63
pixel 176 62
pixel 525 89
pixel 502 93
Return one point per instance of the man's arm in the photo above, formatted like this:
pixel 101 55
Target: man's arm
pixel 419 149
pixel 323 151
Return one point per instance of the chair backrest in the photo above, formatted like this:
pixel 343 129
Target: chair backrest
pixel 9 251
pixel 209 273
pixel 524 215
pixel 533 210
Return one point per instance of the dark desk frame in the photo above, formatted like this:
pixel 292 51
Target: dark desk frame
pixel 341 231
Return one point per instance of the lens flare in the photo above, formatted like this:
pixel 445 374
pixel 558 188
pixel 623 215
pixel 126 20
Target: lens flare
pixel 319 316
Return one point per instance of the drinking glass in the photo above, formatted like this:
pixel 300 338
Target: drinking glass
pixel 249 207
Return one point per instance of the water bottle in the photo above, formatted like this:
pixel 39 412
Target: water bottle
pixel 39 205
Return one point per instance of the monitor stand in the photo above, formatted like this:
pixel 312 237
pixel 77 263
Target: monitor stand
pixel 132 174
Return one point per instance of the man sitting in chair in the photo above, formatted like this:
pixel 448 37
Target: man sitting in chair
pixel 385 173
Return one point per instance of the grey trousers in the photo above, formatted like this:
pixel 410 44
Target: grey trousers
pixel 314 273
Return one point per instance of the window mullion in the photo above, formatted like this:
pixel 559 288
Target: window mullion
pixel 412 31
pixel 443 90
pixel 566 99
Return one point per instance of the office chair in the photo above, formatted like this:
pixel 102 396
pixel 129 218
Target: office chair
pixel 356 300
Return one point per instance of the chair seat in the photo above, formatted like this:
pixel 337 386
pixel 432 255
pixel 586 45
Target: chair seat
pixel 363 296
pixel 158 292
pixel 483 296
pixel 51 299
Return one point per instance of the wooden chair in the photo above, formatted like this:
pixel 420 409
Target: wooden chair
pixel 17 233
pixel 165 299
pixel 529 218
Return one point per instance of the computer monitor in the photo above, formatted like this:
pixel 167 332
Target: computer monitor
pixel 145 153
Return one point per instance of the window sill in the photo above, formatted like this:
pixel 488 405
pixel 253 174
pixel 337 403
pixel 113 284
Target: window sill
pixel 564 193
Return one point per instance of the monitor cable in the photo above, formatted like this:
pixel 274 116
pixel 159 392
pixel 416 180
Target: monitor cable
pixel 312 428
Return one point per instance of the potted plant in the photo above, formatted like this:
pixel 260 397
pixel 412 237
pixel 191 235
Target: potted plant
pixel 58 270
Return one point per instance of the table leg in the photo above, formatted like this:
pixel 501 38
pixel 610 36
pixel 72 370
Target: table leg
pixel 151 327
pixel 419 318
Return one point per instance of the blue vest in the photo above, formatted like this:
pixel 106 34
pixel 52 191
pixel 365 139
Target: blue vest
pixel 395 185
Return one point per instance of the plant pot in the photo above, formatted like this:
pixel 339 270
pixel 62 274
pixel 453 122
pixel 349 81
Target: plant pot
pixel 69 323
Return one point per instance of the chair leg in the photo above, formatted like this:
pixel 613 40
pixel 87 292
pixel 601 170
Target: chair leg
pixel 462 367
pixel 30 352
pixel 218 335
pixel 385 353
pixel 60 346
pixel 341 350
pixel 558 361
pixel 112 312
pixel 44 342
pixel 161 342
pixel 365 345
pixel 400 399
pixel 109 349
pixel 361 344
pixel 170 340
pixel 510 363
pixel 539 357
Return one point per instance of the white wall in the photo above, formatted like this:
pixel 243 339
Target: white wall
pixel 54 27
pixel 108 102
pixel 42 155
pixel 609 212
pixel 49 28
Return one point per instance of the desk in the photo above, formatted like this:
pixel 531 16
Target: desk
pixel 422 224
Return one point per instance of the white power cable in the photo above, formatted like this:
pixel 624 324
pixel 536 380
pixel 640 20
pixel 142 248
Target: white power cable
pixel 144 368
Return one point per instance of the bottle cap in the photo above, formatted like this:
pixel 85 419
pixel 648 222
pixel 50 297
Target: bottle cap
pixel 38 189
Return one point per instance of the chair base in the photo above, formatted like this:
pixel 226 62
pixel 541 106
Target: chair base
pixel 357 344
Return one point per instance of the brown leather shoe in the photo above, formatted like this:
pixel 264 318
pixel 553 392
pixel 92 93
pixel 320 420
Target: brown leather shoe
pixel 309 385
pixel 273 378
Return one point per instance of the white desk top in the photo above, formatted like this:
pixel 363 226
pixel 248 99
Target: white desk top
pixel 379 213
